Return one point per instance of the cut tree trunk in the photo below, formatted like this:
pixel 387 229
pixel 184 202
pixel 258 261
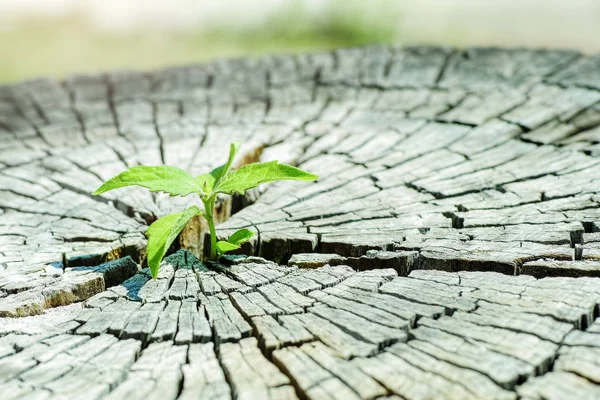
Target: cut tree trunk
pixel 449 249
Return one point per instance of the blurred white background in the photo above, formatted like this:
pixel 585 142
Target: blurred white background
pixel 58 37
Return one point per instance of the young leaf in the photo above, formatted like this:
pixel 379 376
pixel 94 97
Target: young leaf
pixel 206 182
pixel 163 232
pixel 221 171
pixel 240 236
pixel 223 247
pixel 252 175
pixel 163 178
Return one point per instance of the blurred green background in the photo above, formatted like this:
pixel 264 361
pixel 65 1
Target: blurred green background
pixel 59 37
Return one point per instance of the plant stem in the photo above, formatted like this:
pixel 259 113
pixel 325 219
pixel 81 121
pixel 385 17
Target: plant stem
pixel 208 207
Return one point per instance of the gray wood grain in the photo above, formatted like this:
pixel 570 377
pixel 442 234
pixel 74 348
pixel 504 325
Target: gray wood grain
pixel 449 249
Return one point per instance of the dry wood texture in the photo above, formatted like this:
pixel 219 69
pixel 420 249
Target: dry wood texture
pixel 450 249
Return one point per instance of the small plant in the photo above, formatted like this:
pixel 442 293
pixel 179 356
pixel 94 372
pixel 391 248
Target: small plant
pixel 177 182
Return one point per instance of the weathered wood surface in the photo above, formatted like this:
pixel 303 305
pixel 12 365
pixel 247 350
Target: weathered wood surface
pixel 450 248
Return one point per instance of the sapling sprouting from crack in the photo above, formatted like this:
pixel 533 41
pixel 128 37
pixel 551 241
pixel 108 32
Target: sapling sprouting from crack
pixel 176 182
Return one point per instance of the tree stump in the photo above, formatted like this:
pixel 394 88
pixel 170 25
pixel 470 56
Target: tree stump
pixel 450 249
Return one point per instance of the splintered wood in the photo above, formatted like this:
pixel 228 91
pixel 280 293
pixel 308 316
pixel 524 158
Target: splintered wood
pixel 449 249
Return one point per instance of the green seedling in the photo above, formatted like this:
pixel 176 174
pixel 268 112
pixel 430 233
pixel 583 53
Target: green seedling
pixel 177 182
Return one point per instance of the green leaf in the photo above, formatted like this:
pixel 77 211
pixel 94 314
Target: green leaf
pixel 163 232
pixel 252 175
pixel 223 247
pixel 221 171
pixel 240 236
pixel 206 182
pixel 163 178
